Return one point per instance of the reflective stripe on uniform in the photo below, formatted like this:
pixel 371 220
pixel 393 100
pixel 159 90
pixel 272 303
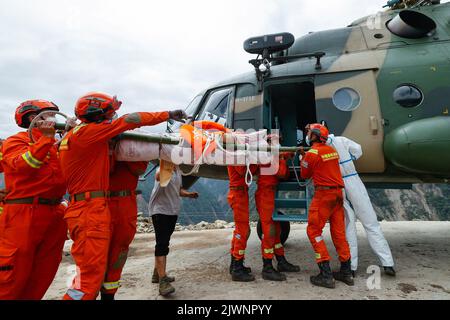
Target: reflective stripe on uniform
pixel 352 158
pixel 268 250
pixel 78 127
pixel 75 294
pixel 318 256
pixel 241 252
pixel 64 145
pixel 345 161
pixel 278 246
pixel 1 156
pixel 313 151
pixel 31 161
pixel 111 285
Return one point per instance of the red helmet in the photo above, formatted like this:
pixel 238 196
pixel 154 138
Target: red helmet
pixel 32 106
pixel 320 131
pixel 95 106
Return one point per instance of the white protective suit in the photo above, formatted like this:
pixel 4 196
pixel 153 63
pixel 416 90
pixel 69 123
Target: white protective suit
pixel 357 204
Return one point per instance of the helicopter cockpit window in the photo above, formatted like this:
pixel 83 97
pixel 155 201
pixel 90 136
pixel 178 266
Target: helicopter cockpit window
pixel 408 96
pixel 190 111
pixel 346 99
pixel 216 106
pixel 193 105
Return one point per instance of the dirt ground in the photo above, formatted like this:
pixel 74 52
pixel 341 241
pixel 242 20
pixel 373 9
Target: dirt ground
pixel 199 261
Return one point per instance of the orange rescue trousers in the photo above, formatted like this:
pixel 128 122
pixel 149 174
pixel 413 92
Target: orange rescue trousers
pixel 327 205
pixel 89 224
pixel 238 201
pixel 123 220
pixel 265 205
pixel 31 242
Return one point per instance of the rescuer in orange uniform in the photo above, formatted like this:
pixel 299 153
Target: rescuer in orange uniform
pixel 32 229
pixel 238 201
pixel 122 205
pixel 265 205
pixel 321 163
pixel 3 191
pixel 86 166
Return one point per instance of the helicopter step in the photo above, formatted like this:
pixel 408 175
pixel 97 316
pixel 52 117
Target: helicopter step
pixel 291 202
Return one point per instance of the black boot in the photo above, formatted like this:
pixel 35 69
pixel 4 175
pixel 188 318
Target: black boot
pixel 246 269
pixel 390 271
pixel 269 273
pixel 285 266
pixel 345 274
pixel 238 272
pixel 325 277
pixel 106 296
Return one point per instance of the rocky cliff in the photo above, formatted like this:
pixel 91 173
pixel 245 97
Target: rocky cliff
pixel 430 202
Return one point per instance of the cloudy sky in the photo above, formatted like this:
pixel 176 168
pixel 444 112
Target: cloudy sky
pixel 154 55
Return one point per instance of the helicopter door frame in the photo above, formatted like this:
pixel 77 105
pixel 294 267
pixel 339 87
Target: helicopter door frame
pixel 267 107
pixel 349 103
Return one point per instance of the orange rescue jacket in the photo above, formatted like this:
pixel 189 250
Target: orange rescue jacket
pixel 125 175
pixel 32 169
pixel 85 150
pixel 321 163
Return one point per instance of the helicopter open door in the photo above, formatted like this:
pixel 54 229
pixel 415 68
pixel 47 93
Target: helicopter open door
pixel 289 106
pixel 349 103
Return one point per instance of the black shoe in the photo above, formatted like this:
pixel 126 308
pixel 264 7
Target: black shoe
pixel 106 296
pixel 325 277
pixel 238 272
pixel 354 273
pixel 389 271
pixel 345 274
pixel 269 272
pixel 246 269
pixel 284 266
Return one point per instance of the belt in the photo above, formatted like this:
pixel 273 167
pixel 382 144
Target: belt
pixel 89 195
pixel 327 188
pixel 124 193
pixel 240 188
pixel 34 200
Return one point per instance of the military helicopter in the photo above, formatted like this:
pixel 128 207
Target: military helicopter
pixel 383 81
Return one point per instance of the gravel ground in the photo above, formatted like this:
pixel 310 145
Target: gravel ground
pixel 199 261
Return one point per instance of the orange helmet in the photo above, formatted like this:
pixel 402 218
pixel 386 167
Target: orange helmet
pixel 320 131
pixel 32 106
pixel 95 106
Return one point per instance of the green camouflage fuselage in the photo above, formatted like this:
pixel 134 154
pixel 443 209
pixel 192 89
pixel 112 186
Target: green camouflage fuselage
pixel 401 145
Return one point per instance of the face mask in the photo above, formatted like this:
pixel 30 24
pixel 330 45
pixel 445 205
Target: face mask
pixel 308 142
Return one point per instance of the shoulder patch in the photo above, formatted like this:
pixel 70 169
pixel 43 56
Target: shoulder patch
pixel 330 156
pixel 133 118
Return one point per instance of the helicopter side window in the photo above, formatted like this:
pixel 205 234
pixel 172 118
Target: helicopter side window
pixel 346 99
pixel 408 96
pixel 216 106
